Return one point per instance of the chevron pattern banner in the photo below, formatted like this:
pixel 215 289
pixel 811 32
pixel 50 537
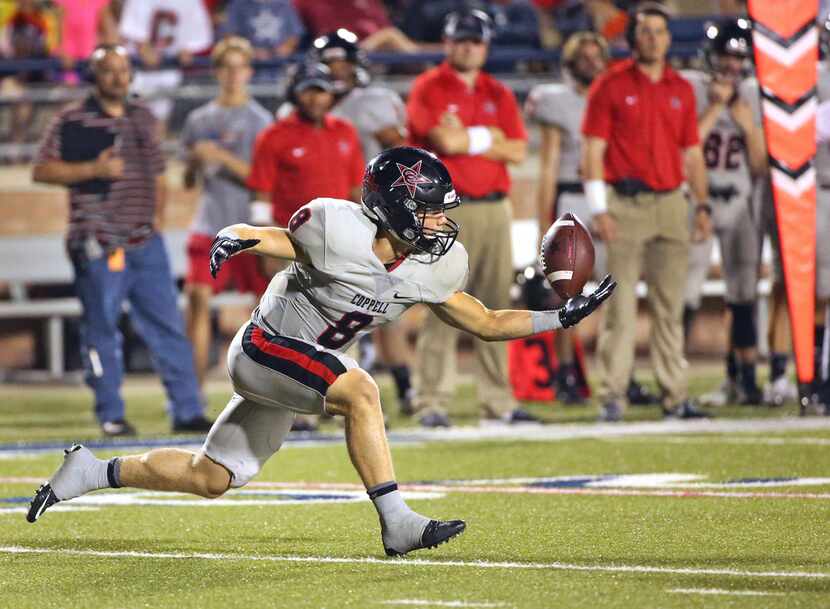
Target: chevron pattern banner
pixel 785 38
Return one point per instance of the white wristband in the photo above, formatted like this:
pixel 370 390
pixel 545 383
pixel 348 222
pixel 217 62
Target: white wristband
pixel 597 196
pixel 480 140
pixel 228 233
pixel 262 213
pixel 543 321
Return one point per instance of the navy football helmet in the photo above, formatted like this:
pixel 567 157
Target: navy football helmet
pixel 728 38
pixel 342 45
pixel 400 187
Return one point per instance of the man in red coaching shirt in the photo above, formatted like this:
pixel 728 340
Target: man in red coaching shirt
pixel 306 155
pixel 641 143
pixel 473 123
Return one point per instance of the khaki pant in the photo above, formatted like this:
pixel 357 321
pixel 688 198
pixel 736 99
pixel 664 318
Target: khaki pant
pixel 485 233
pixel 652 240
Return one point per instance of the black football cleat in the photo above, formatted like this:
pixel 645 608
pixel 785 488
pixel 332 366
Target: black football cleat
pixel 44 499
pixel 198 424
pixel 435 533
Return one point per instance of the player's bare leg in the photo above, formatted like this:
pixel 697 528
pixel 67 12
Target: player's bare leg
pixel 161 469
pixel 198 327
pixel 355 396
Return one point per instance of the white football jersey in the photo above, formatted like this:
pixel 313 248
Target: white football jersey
pixel 823 147
pixel 559 105
pixel 346 291
pixel 371 109
pixel 724 150
pixel 171 26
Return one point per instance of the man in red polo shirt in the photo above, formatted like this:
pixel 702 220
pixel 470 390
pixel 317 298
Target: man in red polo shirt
pixel 306 155
pixel 473 123
pixel 641 139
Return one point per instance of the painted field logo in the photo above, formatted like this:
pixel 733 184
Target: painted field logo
pixel 633 481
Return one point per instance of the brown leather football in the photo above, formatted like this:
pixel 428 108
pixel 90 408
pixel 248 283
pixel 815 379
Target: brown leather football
pixel 567 256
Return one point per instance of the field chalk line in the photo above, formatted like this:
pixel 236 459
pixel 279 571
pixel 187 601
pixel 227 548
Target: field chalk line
pixel 419 562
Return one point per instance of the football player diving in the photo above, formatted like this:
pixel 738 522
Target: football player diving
pixel 353 268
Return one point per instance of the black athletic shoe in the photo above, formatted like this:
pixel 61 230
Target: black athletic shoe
pixel 117 428
pixel 435 533
pixel 196 425
pixel 305 424
pixel 637 395
pixel 567 386
pixel 520 415
pixel 686 410
pixel 432 420
pixel 44 499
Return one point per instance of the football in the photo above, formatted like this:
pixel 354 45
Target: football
pixel 567 256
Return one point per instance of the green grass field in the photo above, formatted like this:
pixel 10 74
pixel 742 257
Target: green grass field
pixel 720 514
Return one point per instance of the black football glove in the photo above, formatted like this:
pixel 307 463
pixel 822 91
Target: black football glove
pixel 225 245
pixel 580 307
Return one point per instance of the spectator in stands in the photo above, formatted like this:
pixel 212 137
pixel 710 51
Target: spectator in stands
pixel 308 154
pixel 641 138
pixel 160 30
pixel 108 20
pixel 366 18
pixel 272 26
pixel 606 17
pixel 79 31
pixel 514 21
pixel 105 150
pixel 25 36
pixel 218 139
pixel 472 121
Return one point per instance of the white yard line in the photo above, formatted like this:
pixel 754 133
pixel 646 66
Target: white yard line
pixel 418 562
pixel 723 592
pixel 767 441
pixel 510 490
pixel 533 433
pixel 419 602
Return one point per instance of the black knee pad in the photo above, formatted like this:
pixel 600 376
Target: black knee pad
pixel 744 333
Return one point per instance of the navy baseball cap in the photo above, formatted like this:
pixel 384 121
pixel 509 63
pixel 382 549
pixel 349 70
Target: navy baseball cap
pixel 310 75
pixel 468 25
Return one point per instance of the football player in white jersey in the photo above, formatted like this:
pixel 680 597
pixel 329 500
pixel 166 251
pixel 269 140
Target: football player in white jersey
pixel 353 268
pixel 735 153
pixel 379 115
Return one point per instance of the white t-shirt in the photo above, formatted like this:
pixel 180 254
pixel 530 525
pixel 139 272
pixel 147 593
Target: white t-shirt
pixel 171 26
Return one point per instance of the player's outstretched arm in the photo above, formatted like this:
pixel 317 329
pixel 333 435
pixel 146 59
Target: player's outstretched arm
pixel 263 240
pixel 467 313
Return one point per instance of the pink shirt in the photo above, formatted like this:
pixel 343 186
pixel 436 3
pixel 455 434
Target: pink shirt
pixel 80 24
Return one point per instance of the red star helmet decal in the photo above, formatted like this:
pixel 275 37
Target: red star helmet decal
pixel 410 177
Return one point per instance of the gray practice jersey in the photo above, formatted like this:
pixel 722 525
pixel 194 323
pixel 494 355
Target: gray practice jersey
pixel 225 199
pixel 559 105
pixel 371 109
pixel 346 291
pixel 724 149
pixel 823 150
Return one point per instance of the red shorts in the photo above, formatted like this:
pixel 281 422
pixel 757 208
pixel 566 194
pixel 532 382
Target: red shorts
pixel 242 271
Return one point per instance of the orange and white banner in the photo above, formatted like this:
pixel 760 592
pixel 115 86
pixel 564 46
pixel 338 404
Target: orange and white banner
pixel 785 38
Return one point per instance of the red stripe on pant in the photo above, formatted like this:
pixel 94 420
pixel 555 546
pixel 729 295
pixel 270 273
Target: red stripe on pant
pixel 302 360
